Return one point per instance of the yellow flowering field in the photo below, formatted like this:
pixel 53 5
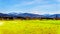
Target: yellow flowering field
pixel 29 26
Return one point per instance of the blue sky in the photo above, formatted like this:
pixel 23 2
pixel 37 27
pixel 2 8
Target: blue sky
pixel 30 6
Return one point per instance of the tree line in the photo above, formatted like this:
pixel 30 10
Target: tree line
pixel 28 18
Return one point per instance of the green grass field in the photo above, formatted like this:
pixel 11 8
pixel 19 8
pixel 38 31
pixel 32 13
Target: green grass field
pixel 30 27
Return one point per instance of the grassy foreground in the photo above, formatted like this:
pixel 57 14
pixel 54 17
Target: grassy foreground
pixel 30 27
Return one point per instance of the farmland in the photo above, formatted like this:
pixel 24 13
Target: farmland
pixel 29 26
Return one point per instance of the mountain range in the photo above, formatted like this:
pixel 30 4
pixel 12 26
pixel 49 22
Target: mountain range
pixel 29 15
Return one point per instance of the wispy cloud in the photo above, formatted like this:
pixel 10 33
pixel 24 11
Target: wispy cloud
pixel 25 3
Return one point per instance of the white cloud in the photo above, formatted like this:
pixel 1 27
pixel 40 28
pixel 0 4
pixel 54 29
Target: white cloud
pixel 37 12
pixel 46 12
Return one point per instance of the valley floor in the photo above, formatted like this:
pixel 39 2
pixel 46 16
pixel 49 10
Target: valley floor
pixel 30 27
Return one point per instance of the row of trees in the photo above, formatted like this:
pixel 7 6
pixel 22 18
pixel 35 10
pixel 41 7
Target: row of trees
pixel 27 18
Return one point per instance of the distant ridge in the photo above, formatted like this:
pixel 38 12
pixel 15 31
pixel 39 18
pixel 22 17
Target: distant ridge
pixel 29 15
